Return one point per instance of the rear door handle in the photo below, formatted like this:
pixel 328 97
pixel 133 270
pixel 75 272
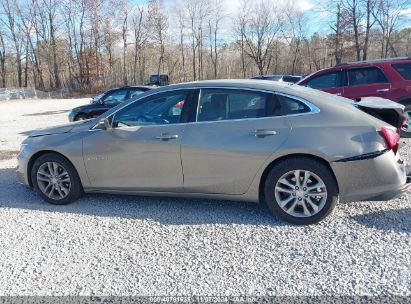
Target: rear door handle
pixel 166 136
pixel 263 133
pixel 382 90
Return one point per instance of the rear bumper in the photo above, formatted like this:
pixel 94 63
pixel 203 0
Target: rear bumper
pixel 380 178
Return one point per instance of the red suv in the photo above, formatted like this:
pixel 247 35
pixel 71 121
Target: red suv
pixel 386 78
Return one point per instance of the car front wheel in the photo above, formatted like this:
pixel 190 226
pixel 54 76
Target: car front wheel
pixel 301 190
pixel 55 179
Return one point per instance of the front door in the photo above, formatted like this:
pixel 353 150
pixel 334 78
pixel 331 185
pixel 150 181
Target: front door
pixel 142 149
pixel 330 82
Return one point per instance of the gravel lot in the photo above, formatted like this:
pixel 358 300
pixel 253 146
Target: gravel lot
pixel 118 245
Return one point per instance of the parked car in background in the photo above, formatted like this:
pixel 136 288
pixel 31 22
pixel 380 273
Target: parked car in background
pixel 279 78
pixel 158 80
pixel 296 149
pixel 103 102
pixel 385 78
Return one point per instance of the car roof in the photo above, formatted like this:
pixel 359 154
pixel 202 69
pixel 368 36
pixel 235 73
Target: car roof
pixel 360 64
pixel 253 84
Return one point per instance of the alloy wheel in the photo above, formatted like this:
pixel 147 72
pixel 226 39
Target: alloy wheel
pixel 53 180
pixel 301 193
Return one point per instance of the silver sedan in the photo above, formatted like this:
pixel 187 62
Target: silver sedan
pixel 295 149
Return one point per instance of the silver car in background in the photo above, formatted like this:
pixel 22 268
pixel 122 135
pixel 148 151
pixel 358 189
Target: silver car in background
pixel 295 149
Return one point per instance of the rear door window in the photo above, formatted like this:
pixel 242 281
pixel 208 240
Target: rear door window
pixel 326 81
pixel 404 69
pixel 227 104
pixel 365 76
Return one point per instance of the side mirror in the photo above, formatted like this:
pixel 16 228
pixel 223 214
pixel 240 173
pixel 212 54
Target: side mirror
pixel 103 124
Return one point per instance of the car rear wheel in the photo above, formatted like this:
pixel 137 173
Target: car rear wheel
pixel 406 132
pixel 301 190
pixel 55 179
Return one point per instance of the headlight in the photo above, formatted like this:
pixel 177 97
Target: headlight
pixel 71 115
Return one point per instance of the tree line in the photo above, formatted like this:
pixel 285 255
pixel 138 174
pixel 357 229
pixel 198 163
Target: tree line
pixel 89 45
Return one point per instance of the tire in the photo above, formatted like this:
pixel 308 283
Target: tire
pixel 80 117
pixel 303 199
pixel 407 111
pixel 61 190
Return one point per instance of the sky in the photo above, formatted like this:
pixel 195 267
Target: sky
pixel 319 19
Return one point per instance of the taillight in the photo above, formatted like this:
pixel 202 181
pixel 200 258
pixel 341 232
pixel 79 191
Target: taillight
pixel 392 138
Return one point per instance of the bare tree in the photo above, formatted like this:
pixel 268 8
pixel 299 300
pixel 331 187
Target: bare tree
pixel 387 14
pixel 294 32
pixel 214 27
pixel 338 29
pixel 181 17
pixel 158 21
pixel 14 27
pixel 140 38
pixel 124 36
pixel 369 23
pixel 259 32
pixel 240 23
pixel 2 59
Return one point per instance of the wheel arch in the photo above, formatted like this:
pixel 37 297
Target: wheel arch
pixel 36 156
pixel 290 156
pixel 84 114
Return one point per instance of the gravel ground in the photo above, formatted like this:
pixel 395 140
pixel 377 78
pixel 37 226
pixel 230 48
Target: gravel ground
pixel 118 245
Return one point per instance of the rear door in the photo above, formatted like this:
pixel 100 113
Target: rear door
pixel 365 82
pixel 231 138
pixel 330 82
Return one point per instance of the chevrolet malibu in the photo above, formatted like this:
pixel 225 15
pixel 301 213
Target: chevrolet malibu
pixel 296 149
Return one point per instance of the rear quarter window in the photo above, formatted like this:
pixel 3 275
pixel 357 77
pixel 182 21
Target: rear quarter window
pixel 404 69
pixel 282 105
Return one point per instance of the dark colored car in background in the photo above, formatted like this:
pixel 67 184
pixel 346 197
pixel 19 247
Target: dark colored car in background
pixel 106 101
pixel 385 78
pixel 280 78
pixel 158 80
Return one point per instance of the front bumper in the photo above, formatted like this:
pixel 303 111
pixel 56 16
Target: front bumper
pixel 380 178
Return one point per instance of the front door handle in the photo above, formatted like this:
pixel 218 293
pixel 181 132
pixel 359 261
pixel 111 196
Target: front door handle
pixel 263 133
pixel 166 136
pixel 338 94
pixel 382 90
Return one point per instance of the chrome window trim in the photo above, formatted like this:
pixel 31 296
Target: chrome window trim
pixel 313 108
